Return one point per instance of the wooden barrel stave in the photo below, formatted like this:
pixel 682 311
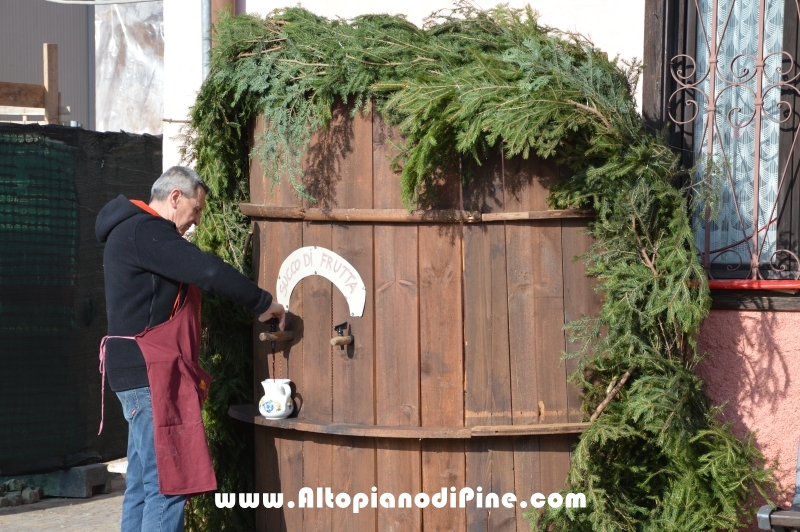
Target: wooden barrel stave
pixel 462 328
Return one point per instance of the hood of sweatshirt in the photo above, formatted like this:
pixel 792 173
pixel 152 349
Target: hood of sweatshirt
pixel 114 213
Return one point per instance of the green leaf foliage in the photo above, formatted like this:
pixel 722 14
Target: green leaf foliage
pixel 470 82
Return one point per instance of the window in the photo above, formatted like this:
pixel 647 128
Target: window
pixel 722 75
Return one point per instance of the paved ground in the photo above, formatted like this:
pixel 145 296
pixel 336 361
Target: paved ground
pixel 100 513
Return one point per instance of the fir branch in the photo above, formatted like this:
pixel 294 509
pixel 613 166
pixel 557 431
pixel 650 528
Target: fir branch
pixel 612 393
pixel 592 110
pixel 249 54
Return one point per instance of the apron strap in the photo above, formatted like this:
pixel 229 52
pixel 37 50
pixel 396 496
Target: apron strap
pixel 103 375
pixel 177 304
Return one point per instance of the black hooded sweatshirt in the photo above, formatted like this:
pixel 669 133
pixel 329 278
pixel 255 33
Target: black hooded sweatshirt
pixel 145 261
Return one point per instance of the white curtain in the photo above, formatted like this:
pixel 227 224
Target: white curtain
pixel 129 67
pixel 733 127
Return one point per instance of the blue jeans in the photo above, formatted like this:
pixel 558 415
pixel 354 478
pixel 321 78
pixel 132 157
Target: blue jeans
pixel 144 509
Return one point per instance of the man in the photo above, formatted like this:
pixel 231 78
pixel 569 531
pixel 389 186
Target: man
pixel 153 278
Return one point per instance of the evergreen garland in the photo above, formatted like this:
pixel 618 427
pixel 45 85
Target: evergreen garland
pixel 657 458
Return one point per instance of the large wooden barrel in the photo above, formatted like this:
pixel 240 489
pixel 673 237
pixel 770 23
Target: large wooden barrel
pixel 455 377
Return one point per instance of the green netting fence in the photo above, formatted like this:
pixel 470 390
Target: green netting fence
pixel 53 181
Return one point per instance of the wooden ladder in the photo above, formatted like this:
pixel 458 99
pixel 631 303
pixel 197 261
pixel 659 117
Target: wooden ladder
pixel 28 99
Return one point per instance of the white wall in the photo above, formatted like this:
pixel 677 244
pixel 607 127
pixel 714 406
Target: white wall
pixel 183 69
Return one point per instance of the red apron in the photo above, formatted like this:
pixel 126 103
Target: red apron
pixel 178 387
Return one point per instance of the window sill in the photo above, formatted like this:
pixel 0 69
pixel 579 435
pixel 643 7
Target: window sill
pixel 787 286
pixel 754 299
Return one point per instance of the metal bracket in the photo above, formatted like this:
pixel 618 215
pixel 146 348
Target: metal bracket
pixel 767 515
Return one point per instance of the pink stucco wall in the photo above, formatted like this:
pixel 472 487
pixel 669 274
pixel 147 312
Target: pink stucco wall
pixel 755 367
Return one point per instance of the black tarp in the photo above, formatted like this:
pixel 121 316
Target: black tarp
pixel 53 182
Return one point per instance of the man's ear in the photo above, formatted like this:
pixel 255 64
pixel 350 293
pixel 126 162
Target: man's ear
pixel 173 198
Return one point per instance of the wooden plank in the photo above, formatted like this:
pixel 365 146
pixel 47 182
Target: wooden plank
pixel 501 453
pixel 580 298
pixel 317 473
pixel 478 338
pixel 290 358
pixel 31 111
pixel 317 326
pixel 478 473
pixel 548 293
pixel 355 215
pixel 653 77
pixel 398 473
pixel 441 341
pixel 490 466
pixel 527 479
pixel 441 338
pixel 486 355
pixel 396 326
pixel 554 452
pixel 21 95
pixel 267 479
pixel 385 140
pixel 249 414
pixel 263 234
pixel 527 182
pixel 217 5
pixel 279 196
pixel 354 473
pixel 441 360
pixel 353 365
pixel 537 215
pixel 51 96
pixel 529 430
pixel 278 462
pixel 290 467
pixel 396 341
pixel 486 350
pixel 443 468
pixel 353 400
pixel 317 378
pixel 524 190
pixel 522 333
pixel 272 243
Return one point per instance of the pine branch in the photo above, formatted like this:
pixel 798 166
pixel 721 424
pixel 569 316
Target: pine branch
pixel 592 110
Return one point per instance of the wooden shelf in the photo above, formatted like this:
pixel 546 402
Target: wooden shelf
pixel 250 414
pixel 401 215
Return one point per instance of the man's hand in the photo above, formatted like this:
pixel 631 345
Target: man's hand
pixel 275 310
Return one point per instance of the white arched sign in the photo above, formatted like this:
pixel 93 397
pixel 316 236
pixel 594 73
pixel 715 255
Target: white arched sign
pixel 314 260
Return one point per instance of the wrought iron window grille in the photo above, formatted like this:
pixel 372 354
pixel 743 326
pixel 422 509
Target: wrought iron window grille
pixel 734 84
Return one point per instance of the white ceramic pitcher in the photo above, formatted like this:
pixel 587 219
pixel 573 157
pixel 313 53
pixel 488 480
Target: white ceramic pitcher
pixel 277 401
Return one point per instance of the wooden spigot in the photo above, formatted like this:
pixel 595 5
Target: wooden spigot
pixel 342 339
pixel 274 335
pixel 277 336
